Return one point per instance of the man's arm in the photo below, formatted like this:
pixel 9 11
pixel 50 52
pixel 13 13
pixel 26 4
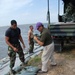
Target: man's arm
pixel 9 44
pixel 29 35
pixel 20 38
pixel 38 41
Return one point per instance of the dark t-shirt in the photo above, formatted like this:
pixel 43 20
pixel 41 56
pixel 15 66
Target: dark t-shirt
pixel 13 35
pixel 46 37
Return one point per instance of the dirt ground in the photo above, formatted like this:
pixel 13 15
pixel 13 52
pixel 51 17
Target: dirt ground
pixel 65 63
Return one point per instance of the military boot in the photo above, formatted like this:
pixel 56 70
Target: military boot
pixel 12 72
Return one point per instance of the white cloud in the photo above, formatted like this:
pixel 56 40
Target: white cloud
pixel 23 11
pixel 10 9
pixel 7 6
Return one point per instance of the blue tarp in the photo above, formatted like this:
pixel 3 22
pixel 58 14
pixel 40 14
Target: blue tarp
pixel 29 70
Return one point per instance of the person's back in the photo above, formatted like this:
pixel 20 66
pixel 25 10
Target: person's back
pixel 46 37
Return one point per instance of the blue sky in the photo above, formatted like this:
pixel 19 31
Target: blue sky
pixel 27 11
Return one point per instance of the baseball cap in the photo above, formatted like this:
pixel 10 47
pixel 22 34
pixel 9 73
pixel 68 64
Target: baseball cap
pixel 38 24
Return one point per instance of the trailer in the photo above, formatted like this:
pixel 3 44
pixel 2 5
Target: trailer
pixel 63 32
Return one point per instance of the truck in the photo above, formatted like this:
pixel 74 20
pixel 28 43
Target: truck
pixel 63 32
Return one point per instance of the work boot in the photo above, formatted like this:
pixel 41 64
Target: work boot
pixel 40 71
pixel 53 64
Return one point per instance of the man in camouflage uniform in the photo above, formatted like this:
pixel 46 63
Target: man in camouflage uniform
pixel 12 38
pixel 30 39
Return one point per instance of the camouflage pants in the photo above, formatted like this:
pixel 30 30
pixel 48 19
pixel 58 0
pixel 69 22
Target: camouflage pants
pixel 12 54
pixel 31 46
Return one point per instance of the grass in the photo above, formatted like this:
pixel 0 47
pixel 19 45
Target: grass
pixel 35 61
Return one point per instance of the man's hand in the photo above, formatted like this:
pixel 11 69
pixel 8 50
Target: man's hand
pixel 38 41
pixel 24 46
pixel 15 49
pixel 35 38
